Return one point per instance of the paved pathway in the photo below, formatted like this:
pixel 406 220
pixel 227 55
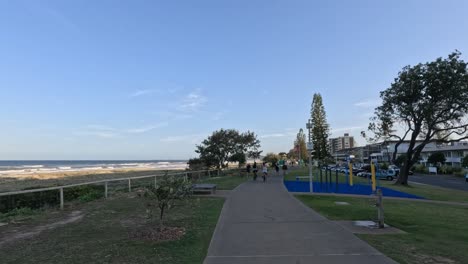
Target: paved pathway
pixel 262 223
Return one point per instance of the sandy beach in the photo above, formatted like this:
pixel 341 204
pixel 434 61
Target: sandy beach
pixel 13 180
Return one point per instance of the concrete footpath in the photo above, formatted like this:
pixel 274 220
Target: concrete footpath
pixel 262 223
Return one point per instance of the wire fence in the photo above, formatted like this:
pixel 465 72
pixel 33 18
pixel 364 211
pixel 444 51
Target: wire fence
pixel 50 196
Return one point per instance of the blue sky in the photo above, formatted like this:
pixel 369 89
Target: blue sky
pixel 150 79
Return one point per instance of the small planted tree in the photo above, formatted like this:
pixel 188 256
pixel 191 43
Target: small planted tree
pixel 169 190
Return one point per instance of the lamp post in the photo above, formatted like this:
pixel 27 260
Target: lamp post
pixel 388 153
pixel 310 149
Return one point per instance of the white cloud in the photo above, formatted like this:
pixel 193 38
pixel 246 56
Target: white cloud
pixel 146 129
pixel 273 135
pixel 192 101
pixel 110 132
pixel 51 13
pixel 101 134
pixel 100 127
pixel 195 138
pixel 142 92
pixel 217 116
pixel 172 115
pixel 368 103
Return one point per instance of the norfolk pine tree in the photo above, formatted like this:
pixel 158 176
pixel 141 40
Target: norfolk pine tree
pixel 320 128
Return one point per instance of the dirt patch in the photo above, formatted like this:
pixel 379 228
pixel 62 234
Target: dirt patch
pixel 158 234
pixel 434 259
pixel 15 235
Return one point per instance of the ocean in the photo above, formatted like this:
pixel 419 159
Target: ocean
pixel 9 166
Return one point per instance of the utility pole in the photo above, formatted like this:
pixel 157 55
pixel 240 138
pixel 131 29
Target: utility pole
pixel 310 150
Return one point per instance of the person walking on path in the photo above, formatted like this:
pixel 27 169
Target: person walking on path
pixel 285 168
pixel 277 169
pixel 247 169
pixel 254 170
pixel 265 171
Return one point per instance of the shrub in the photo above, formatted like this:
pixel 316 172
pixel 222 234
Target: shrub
pixel 17 214
pixel 169 189
pixel 445 169
pixel 420 168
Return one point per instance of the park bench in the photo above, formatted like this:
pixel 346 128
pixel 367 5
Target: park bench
pixel 204 188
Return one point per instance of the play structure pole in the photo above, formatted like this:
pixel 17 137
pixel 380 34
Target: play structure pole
pixel 326 178
pixel 321 179
pixel 311 183
pixel 336 178
pixel 373 176
pixel 350 174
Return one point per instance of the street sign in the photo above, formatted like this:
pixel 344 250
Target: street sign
pixel 310 146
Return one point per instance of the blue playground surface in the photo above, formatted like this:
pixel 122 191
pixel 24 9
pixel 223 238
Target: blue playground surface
pixel 360 189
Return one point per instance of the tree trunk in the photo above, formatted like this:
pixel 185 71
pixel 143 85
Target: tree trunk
pixel 403 175
pixel 161 215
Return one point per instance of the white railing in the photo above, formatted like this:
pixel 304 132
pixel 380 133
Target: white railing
pixel 106 181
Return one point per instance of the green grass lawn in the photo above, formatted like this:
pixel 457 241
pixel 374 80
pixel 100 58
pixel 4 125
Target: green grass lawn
pixel 426 191
pixel 104 235
pixel 225 182
pixel 435 233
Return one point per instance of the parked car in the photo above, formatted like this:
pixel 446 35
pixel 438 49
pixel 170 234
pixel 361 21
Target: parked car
pixel 361 174
pixel 380 174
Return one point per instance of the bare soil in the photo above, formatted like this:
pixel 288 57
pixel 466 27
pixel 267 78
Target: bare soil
pixel 28 232
pixel 159 234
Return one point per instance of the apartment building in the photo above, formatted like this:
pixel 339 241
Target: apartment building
pixel 340 143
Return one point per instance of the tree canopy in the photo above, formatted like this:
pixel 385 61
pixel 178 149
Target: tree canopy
pixel 228 145
pixel 271 158
pixel 436 158
pixel 465 161
pixel 320 128
pixel 300 146
pixel 425 102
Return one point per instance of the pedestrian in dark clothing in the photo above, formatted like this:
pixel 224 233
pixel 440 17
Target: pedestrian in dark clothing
pixel 247 169
pixel 265 171
pixel 277 169
pixel 285 168
pixel 255 170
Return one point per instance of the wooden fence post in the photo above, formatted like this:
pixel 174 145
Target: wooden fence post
pixel 105 189
pixel 155 182
pixel 129 185
pixel 61 199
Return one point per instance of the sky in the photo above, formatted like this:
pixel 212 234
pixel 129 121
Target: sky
pixel 110 79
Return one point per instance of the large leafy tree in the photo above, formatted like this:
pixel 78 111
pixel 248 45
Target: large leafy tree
pixel 227 145
pixel 425 102
pixel 300 146
pixel 271 158
pixel 320 128
pixel 436 158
